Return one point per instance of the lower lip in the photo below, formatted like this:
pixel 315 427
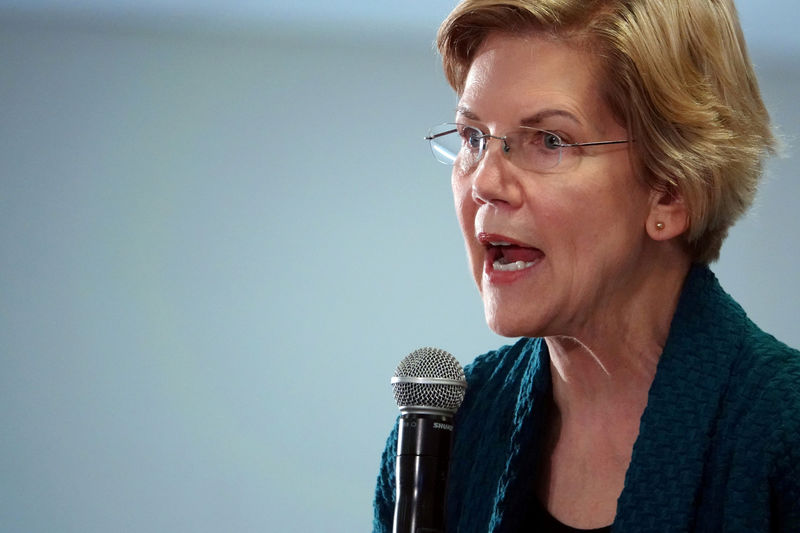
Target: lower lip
pixel 504 277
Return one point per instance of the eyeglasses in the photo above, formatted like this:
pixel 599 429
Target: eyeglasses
pixel 527 148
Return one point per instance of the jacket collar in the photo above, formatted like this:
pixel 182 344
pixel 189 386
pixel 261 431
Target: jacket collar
pixel 663 479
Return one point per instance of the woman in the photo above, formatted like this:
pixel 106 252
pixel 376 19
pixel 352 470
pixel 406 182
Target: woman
pixel 602 150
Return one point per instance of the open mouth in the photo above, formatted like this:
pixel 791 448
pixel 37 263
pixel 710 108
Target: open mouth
pixel 507 257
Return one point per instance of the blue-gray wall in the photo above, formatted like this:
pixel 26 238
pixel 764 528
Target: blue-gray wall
pixel 214 249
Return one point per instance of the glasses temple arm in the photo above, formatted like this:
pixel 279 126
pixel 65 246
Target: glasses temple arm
pixel 436 136
pixel 596 143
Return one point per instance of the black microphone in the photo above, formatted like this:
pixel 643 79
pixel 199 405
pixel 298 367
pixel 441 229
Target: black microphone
pixel 429 387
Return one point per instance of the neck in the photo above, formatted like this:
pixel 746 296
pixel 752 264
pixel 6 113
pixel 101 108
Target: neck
pixel 605 371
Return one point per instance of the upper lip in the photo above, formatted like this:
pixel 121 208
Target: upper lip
pixel 496 239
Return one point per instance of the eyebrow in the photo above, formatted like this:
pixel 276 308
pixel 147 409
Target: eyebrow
pixel 466 112
pixel 532 120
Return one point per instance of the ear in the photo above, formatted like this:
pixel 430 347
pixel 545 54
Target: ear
pixel 668 217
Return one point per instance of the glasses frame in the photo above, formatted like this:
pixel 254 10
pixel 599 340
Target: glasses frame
pixel 484 138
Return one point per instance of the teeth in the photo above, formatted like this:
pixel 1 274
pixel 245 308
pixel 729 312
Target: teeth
pixel 512 267
pixel 500 243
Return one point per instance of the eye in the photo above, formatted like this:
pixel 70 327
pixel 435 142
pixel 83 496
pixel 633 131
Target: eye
pixel 551 140
pixel 470 137
pixel 531 138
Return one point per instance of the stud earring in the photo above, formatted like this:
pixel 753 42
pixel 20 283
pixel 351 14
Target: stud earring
pixel 659 226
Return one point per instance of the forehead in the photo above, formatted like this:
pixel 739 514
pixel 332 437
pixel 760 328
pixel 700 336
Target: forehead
pixel 513 74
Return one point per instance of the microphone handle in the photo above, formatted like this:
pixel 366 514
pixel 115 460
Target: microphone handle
pixel 423 462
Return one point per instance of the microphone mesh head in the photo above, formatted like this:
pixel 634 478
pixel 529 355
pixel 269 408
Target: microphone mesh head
pixel 418 385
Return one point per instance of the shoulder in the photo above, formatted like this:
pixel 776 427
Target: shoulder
pixel 767 375
pixel 721 363
pixel 762 374
pixel 711 329
pixel 765 388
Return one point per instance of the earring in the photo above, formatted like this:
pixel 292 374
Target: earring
pixel 659 226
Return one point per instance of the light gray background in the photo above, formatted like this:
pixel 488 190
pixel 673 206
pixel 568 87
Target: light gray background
pixel 220 230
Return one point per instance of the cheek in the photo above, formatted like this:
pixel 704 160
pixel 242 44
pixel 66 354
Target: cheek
pixel 465 209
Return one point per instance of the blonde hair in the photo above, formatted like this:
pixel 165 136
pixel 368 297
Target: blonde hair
pixel 677 74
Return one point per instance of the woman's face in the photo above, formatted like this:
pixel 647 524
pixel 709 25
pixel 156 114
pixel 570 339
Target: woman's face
pixel 578 230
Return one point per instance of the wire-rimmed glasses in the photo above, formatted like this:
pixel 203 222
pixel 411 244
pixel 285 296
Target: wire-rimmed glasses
pixel 527 148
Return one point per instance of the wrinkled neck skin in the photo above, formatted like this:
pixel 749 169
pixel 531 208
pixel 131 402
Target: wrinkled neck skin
pixel 603 374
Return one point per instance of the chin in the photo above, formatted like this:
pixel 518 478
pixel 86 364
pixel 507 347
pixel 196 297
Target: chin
pixel 509 326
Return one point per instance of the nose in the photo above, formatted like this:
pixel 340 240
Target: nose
pixel 494 178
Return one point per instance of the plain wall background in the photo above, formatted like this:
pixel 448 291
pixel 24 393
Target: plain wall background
pixel 216 245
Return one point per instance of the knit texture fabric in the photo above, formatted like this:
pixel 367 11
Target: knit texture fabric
pixel 718 447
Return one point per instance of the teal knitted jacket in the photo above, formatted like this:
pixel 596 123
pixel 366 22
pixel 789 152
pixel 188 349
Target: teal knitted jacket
pixel 718 446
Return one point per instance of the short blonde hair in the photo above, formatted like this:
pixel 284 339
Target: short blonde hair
pixel 677 75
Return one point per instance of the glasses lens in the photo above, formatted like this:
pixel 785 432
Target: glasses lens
pixel 449 141
pixel 534 149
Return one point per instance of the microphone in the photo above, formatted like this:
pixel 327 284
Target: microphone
pixel 428 387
